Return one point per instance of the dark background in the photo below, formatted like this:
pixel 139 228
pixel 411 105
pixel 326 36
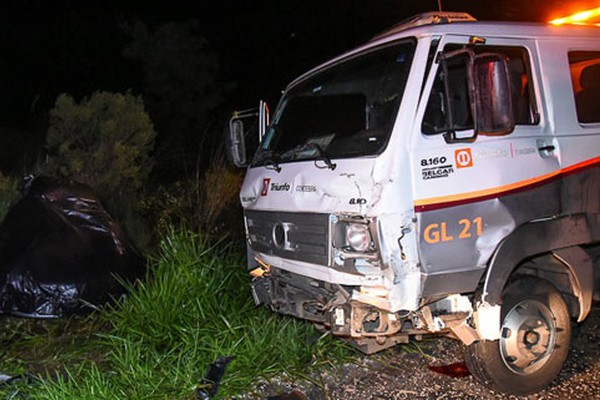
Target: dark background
pixel 48 47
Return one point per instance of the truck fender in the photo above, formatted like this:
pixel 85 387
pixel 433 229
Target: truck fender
pixel 581 274
pixel 560 236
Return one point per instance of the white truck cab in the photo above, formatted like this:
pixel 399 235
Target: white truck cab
pixel 442 178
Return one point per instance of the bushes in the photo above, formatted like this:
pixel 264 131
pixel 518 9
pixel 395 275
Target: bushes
pixel 8 193
pixel 207 203
pixel 104 141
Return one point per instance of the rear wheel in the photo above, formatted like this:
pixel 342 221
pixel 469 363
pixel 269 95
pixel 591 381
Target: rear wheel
pixel 534 343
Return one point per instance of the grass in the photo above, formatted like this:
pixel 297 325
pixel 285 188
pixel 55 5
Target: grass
pixel 158 341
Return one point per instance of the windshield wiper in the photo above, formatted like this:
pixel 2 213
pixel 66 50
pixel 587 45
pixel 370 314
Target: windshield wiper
pixel 270 161
pixel 292 154
pixel 321 155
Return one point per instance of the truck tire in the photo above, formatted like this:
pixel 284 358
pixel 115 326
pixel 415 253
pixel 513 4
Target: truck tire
pixel 536 332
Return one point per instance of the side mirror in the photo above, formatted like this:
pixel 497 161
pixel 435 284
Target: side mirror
pixel 238 132
pixel 477 95
pixel 493 101
pixel 237 143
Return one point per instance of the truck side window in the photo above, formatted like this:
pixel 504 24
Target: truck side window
pixel 437 120
pixel 585 77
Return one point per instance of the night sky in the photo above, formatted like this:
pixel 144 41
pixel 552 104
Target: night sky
pixel 48 47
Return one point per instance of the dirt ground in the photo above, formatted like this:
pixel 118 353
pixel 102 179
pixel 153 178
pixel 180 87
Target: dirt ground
pixel 404 373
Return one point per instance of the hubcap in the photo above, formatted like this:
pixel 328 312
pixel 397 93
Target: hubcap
pixel 528 337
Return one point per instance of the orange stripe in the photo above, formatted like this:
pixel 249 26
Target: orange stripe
pixel 505 188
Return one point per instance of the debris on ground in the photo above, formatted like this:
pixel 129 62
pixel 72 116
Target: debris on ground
pixel 209 385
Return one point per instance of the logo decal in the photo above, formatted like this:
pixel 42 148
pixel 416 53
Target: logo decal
pixel 436 167
pixel 265 187
pixel 306 188
pixel 280 187
pixel 463 158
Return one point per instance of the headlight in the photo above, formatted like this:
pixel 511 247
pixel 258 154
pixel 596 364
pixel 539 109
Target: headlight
pixel 358 237
pixel 354 236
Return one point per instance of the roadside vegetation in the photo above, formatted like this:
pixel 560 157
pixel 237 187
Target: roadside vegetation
pixel 194 305
pixel 158 341
pixel 155 158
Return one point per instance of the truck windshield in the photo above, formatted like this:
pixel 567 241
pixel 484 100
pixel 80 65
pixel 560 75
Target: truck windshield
pixel 346 110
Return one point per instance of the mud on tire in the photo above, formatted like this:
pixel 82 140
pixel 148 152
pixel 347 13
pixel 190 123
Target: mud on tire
pixel 536 333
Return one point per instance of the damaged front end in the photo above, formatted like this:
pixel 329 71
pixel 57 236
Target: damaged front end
pixel 330 306
pixel 329 269
pixel 368 328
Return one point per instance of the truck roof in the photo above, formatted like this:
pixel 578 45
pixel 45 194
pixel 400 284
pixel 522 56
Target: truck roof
pixel 533 30
pixel 471 27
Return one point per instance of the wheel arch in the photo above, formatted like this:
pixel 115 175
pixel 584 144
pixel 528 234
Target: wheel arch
pixel 549 249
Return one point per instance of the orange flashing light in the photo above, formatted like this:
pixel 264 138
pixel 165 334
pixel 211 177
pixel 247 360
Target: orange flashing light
pixel 580 18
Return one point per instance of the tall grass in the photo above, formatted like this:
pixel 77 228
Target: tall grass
pixel 195 307
pixel 206 202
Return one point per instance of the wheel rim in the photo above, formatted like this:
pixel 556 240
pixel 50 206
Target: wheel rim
pixel 528 337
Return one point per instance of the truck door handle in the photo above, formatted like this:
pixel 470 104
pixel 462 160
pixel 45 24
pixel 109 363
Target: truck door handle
pixel 549 148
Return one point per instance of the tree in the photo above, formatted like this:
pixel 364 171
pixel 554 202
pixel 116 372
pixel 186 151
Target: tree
pixel 104 141
pixel 180 88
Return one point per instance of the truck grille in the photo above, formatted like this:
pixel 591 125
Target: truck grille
pixel 296 236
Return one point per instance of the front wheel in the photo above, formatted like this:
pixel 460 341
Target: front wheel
pixel 534 343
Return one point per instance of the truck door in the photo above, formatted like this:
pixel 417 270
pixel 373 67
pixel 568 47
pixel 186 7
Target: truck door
pixel 471 193
pixel 576 109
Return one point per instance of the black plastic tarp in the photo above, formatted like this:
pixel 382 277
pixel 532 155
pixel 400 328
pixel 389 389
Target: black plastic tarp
pixel 61 252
